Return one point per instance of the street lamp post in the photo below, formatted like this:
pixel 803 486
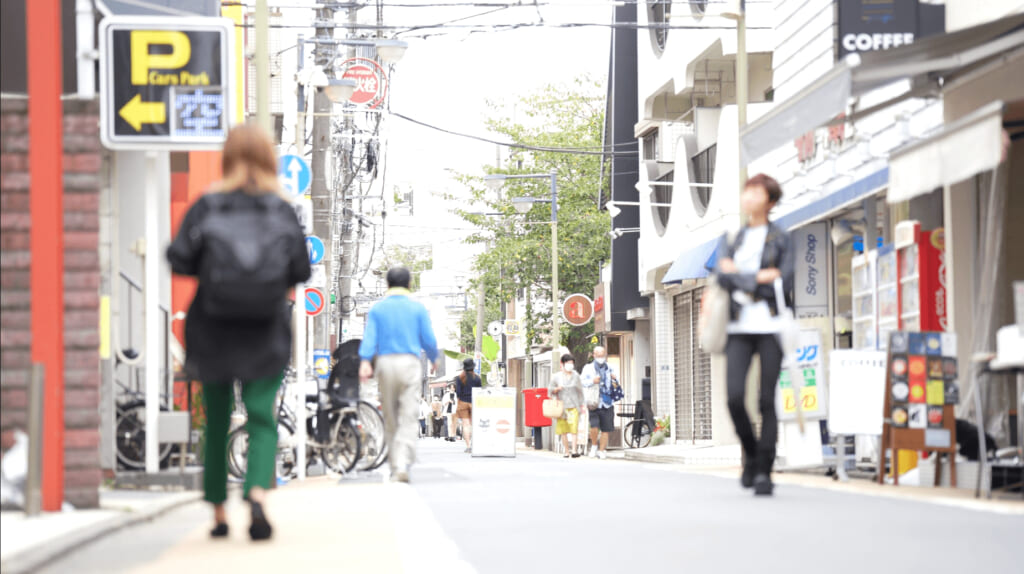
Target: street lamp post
pixel 524 205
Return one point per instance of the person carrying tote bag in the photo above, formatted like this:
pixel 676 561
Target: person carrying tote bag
pixel 759 316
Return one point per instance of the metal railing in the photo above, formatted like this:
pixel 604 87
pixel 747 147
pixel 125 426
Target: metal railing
pixel 135 384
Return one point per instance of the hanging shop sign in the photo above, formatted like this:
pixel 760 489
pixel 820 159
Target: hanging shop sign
pixel 371 81
pixel 811 277
pixel 577 309
pixel 165 83
pixel 874 25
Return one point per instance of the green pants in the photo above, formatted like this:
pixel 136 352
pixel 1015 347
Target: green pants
pixel 260 398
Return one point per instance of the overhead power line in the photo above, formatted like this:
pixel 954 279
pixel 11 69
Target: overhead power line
pixel 566 150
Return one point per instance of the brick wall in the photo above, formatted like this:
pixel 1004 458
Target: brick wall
pixel 82 165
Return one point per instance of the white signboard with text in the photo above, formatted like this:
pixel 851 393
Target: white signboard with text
pixel 856 392
pixel 494 421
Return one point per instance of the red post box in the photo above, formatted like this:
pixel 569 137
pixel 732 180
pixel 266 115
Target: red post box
pixel 533 412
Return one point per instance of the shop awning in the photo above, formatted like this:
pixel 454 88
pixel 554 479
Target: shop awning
pixel 971 145
pixel 693 263
pixel 927 63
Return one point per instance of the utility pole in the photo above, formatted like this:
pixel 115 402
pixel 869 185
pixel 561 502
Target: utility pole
pixel 480 300
pixel 262 58
pixel 321 195
pixel 345 307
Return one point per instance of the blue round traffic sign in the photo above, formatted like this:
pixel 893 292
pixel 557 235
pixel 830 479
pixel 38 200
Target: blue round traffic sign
pixel 315 247
pixel 295 175
pixel 314 302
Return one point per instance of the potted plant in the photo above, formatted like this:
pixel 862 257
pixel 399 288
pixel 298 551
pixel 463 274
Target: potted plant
pixel 662 430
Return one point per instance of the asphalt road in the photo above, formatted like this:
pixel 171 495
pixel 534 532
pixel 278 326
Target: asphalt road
pixel 540 513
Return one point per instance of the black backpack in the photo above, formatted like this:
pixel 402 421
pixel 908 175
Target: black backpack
pixel 247 249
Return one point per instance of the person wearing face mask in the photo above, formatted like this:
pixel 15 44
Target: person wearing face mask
pixel 602 414
pixel 567 387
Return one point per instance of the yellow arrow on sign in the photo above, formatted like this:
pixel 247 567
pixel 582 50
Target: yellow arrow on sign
pixel 137 112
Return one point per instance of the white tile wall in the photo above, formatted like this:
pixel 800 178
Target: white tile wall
pixel 664 358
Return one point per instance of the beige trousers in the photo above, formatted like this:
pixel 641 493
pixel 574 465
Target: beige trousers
pixel 399 378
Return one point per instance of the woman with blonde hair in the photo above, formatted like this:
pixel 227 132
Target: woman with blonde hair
pixel 247 249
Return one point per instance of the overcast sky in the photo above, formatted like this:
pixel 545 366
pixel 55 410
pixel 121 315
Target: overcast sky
pixel 446 80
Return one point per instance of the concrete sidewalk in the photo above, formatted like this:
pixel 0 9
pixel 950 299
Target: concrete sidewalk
pixel 321 525
pixel 697 455
pixel 725 462
pixel 28 543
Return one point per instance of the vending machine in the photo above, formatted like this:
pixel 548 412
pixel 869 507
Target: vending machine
pixel 888 294
pixel 920 257
pixel 865 292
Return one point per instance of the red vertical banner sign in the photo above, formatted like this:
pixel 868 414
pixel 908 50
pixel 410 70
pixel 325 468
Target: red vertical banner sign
pixel 45 157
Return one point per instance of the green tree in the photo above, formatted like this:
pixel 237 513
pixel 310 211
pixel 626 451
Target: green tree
pixel 518 254
pixel 415 258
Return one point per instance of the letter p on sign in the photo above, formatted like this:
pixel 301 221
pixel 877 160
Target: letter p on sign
pixel 143 61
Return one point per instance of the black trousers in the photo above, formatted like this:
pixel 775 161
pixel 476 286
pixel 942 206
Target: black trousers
pixel 739 350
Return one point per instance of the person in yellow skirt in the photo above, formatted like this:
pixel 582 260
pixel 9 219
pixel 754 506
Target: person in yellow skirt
pixel 567 387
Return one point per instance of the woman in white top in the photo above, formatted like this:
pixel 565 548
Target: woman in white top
pixel 747 268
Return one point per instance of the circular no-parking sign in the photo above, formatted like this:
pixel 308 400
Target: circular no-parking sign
pixel 315 301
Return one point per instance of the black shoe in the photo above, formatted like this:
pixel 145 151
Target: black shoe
pixel 747 478
pixel 220 531
pixel 259 529
pixel 763 485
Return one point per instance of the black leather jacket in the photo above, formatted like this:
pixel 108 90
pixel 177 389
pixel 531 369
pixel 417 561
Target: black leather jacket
pixel 778 253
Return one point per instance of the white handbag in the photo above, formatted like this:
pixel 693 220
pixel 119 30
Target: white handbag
pixel 789 341
pixel 714 318
pixel 789 331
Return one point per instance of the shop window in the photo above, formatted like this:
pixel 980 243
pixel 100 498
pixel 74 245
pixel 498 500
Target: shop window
pixel 703 173
pixel 662 194
pixel 659 12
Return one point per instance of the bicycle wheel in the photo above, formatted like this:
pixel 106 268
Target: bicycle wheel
pixel 238 451
pixel 371 422
pixel 343 453
pixel 130 435
pixel 637 434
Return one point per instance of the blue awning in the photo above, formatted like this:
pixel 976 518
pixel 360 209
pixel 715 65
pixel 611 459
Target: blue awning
pixel 693 263
pixel 855 191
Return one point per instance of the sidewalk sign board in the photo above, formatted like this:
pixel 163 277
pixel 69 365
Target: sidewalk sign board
pixel 322 363
pixel 856 394
pixel 922 390
pixel 166 83
pixel 810 363
pixel 494 417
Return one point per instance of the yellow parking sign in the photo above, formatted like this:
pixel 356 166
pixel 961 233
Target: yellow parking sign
pixel 166 83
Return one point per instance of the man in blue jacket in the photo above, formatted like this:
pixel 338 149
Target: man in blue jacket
pixel 397 329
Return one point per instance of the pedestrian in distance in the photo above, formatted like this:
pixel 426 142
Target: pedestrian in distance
pixel 437 418
pixel 601 407
pixel 247 248
pixel 465 382
pixel 424 415
pixel 747 269
pixel 449 403
pixel 567 387
pixel 397 329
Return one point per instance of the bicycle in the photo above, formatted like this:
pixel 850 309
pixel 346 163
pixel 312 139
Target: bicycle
pixel 130 426
pixel 638 433
pixel 332 435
